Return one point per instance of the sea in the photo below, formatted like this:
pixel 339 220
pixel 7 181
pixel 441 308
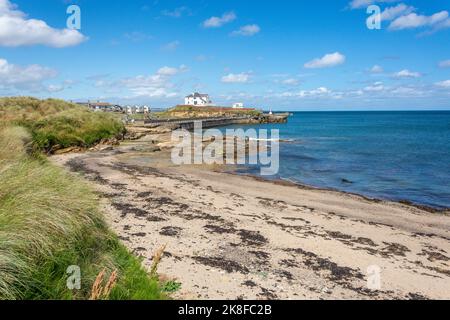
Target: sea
pixel 400 156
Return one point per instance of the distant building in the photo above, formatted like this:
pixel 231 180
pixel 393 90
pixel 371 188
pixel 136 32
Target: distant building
pixel 238 105
pixel 198 99
pixel 103 106
pixel 137 109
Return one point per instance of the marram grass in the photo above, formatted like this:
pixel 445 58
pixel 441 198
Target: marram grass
pixel 49 220
pixel 54 122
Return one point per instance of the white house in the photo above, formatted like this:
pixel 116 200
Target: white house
pixel 137 109
pixel 198 99
pixel 132 109
pixel 238 105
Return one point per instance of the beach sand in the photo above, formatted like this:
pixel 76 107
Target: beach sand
pixel 236 237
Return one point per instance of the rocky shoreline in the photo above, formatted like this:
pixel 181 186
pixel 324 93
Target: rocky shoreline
pixel 237 237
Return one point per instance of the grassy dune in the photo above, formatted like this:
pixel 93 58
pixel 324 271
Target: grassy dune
pixel 49 219
pixel 183 111
pixel 57 123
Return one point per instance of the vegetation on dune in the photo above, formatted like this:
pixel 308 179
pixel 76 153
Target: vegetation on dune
pixel 49 220
pixel 183 111
pixel 57 124
pixel 138 116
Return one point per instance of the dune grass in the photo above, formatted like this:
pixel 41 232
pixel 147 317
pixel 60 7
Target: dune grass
pixel 184 111
pixel 57 123
pixel 49 220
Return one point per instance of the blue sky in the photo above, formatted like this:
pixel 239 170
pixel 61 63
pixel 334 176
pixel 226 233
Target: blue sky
pixel 285 54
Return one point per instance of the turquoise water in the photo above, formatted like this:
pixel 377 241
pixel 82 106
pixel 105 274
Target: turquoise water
pixel 386 155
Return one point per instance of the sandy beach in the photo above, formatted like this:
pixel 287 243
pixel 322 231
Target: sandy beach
pixel 236 237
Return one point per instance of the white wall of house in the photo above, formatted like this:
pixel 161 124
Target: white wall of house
pixel 195 100
pixel 137 109
pixel 238 105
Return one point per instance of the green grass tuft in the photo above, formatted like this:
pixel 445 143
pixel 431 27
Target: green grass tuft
pixel 49 220
pixel 59 123
pixel 171 286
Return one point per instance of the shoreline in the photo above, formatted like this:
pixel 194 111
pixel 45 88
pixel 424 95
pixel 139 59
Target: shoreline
pixel 142 132
pixel 231 236
pixel 281 181
pixel 139 132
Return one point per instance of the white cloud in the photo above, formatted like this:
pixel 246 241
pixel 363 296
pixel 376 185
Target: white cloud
pixel 407 74
pixel 358 4
pixel 413 20
pixel 377 69
pixel 247 31
pixel 171 46
pixel 170 71
pixel 201 58
pixel 53 88
pixel 444 64
pixel 158 85
pixel 177 12
pixel 29 78
pixel 443 25
pixel 376 87
pixel 291 82
pixel 443 84
pixel 376 91
pixel 17 30
pixel 236 78
pixel 406 92
pixel 321 91
pixel 100 83
pixel 216 22
pixel 391 13
pixel 328 60
pixel 403 16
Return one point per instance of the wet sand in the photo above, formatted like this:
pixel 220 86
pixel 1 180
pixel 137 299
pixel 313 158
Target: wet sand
pixel 236 237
